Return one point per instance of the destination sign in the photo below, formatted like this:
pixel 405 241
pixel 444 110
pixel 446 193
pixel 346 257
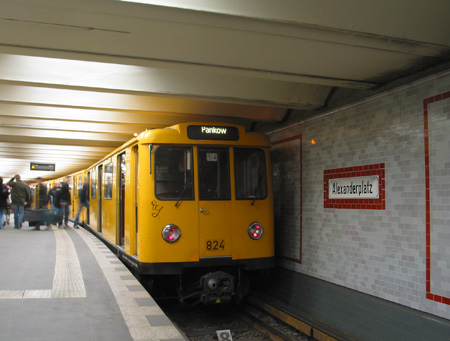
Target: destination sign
pixel 42 166
pixel 200 132
pixel 363 187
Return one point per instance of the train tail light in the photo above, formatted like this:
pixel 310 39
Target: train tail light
pixel 171 233
pixel 255 230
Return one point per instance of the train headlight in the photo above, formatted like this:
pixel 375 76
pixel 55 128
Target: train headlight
pixel 255 230
pixel 171 233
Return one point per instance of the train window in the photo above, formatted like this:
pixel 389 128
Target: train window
pixel 75 187
pixel 174 173
pixel 213 174
pixel 107 180
pixel 93 183
pixel 250 173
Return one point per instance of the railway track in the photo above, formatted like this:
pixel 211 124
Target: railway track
pixel 244 322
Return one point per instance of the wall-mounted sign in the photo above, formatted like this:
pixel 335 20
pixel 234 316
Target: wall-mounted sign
pixel 42 166
pixel 362 187
pixel 213 133
pixel 356 187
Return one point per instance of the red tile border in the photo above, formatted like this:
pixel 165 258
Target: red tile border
pixel 293 138
pixel 426 102
pixel 356 171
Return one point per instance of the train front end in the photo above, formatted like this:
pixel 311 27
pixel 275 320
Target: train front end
pixel 205 209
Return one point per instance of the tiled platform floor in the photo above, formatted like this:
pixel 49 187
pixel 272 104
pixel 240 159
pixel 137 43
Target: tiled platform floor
pixel 65 284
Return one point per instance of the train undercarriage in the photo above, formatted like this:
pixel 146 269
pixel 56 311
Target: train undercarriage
pixel 197 286
pixel 202 285
pixel 224 286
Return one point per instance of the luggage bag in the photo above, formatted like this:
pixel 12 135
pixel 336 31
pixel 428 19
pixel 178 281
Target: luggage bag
pixel 43 215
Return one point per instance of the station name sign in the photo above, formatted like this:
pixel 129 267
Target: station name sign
pixel 363 187
pixel 204 132
pixel 42 166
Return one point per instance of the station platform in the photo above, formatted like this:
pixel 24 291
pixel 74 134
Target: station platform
pixel 65 284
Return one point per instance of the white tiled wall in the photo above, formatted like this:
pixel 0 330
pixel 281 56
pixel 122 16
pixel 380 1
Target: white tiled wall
pixel 378 252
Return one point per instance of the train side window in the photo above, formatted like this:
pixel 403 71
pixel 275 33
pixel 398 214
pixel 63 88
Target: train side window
pixel 250 173
pixel 107 183
pixel 214 174
pixel 174 173
pixel 93 183
pixel 75 187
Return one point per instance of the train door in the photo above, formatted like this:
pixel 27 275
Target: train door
pixel 74 196
pixel 121 169
pixel 214 202
pixel 87 217
pixel 80 186
pixel 93 194
pixel 136 188
pixel 100 194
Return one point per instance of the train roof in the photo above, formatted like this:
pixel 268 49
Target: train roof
pixel 178 134
pixel 204 133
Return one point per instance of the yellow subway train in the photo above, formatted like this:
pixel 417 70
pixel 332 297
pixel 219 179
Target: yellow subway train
pixel 191 203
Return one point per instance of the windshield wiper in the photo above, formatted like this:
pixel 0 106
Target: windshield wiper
pixel 253 196
pixel 181 194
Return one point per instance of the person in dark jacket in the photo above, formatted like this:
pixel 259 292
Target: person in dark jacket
pixel 41 200
pixel 64 202
pixel 84 202
pixel 4 194
pixel 20 196
pixel 54 195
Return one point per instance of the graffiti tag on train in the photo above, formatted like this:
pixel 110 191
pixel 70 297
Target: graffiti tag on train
pixel 156 209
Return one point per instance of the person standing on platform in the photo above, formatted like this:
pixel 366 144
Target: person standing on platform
pixel 84 201
pixel 41 201
pixel 64 202
pixel 8 207
pixel 4 193
pixel 54 195
pixel 20 196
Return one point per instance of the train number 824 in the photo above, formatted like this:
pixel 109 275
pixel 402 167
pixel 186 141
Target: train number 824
pixel 215 245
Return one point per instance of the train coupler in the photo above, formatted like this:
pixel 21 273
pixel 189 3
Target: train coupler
pixel 217 287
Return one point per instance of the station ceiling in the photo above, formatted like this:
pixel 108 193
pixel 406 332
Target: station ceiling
pixel 78 78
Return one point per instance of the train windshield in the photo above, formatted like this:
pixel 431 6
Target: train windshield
pixel 174 173
pixel 250 173
pixel 213 174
